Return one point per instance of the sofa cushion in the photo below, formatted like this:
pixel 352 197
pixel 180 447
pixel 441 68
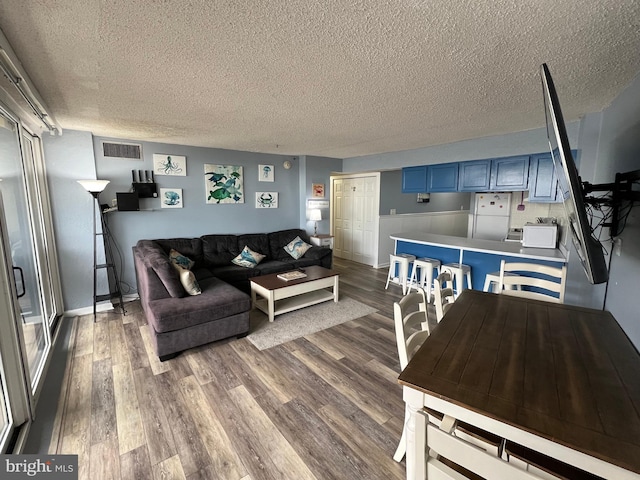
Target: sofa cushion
pixel 218 300
pixel 297 248
pixel 234 274
pixel 219 250
pixel 273 266
pixel 248 258
pixel 156 258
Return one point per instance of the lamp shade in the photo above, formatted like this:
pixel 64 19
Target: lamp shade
pixel 94 186
pixel 315 215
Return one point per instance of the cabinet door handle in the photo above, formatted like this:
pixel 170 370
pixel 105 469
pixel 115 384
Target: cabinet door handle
pixel 21 281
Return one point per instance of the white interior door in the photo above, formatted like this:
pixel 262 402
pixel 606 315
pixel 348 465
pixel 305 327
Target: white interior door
pixel 355 217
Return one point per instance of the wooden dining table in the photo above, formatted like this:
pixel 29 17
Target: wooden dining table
pixel 559 379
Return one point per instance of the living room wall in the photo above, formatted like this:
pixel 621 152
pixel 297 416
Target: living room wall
pixel 78 155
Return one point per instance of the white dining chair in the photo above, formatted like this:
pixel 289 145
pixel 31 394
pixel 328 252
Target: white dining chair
pixel 443 294
pixel 548 282
pixel 412 329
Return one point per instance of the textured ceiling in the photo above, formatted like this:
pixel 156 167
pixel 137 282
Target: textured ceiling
pixel 336 79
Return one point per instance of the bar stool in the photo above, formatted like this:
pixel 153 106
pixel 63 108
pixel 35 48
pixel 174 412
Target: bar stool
pixel 458 271
pixel 424 279
pixel 494 278
pixel 401 261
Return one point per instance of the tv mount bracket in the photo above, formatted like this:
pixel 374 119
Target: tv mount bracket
pixel 621 190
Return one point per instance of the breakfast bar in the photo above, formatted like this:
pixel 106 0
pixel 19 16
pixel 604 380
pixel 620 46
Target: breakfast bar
pixel 483 256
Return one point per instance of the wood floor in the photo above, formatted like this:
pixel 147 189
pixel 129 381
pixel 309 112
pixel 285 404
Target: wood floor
pixel 325 406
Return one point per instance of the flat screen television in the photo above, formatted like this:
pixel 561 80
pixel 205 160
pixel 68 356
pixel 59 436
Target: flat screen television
pixel 587 246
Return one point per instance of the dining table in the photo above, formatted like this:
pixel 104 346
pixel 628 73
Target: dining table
pixel 561 380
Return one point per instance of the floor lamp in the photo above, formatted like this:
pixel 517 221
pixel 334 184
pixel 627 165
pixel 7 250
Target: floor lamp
pixel 95 187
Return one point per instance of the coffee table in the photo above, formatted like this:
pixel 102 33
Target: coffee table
pixel 274 296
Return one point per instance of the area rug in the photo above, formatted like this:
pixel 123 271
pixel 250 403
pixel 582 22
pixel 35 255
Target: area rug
pixel 292 325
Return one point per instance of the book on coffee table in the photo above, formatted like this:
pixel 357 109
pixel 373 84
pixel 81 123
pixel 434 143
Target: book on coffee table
pixel 295 275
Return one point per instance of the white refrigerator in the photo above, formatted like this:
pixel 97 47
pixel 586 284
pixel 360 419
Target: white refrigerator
pixel 491 216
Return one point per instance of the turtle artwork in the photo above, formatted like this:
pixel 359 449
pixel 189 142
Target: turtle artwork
pixel 224 184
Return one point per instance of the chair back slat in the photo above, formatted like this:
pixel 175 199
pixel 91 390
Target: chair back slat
pixel 411 325
pixel 443 294
pixel 553 283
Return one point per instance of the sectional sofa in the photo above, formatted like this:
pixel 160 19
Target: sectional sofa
pixel 179 320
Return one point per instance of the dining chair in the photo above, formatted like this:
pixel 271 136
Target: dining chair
pixel 536 281
pixel 443 294
pixel 412 329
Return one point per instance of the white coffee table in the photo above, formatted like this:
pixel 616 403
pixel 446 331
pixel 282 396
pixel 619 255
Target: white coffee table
pixel 274 296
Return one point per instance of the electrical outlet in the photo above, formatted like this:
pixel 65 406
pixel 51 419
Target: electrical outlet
pixel 618 246
pixel 392 211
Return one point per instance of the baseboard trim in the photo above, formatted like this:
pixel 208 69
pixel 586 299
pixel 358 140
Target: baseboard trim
pixel 100 307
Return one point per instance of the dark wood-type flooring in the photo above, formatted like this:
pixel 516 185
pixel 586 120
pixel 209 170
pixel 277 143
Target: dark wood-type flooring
pixel 325 406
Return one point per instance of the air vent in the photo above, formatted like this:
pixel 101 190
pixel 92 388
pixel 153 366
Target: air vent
pixel 131 151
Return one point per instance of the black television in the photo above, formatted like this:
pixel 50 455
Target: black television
pixel 587 246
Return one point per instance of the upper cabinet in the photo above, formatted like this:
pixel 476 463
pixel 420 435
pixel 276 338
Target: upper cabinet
pixel 442 178
pixel 414 179
pixel 543 183
pixel 510 173
pixel 475 176
pixel 507 174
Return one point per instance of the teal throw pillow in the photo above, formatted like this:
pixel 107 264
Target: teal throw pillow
pixel 248 258
pixel 297 247
pixel 178 259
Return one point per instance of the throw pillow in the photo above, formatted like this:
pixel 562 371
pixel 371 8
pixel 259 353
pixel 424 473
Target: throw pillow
pixel 178 259
pixel 188 280
pixel 297 247
pixel 248 258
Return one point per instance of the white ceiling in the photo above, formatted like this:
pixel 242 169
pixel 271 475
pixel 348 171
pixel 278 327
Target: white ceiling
pixel 328 78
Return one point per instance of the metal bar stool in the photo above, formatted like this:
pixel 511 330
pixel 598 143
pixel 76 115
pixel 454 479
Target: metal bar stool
pixel 424 278
pixel 400 261
pixel 459 271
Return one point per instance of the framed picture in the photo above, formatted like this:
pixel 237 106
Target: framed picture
pixel 224 183
pixel 266 199
pixel 169 164
pixel 317 190
pixel 265 173
pixel 171 198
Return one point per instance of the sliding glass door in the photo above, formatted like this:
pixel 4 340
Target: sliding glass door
pixel 30 299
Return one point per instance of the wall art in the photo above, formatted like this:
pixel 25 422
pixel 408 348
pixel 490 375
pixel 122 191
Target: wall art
pixel 171 198
pixel 224 183
pixel 317 190
pixel 265 173
pixel 169 164
pixel 266 199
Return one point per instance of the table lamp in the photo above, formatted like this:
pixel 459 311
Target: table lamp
pixel 315 215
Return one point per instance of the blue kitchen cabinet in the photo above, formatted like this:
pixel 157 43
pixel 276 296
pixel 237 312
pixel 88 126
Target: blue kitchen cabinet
pixel 442 177
pixel 543 182
pixel 510 174
pixel 474 176
pixel 414 179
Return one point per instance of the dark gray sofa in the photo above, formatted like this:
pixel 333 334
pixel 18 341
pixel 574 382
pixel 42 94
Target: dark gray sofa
pixel 179 321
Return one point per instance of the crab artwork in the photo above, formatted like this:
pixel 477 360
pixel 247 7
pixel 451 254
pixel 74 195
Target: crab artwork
pixel 266 200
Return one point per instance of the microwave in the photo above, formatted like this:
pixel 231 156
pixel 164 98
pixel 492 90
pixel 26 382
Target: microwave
pixel 540 235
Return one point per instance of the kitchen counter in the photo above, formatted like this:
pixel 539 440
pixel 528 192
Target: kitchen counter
pixel 512 249
pixel 483 256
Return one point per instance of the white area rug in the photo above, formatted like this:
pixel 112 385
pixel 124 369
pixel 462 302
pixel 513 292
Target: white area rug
pixel 299 323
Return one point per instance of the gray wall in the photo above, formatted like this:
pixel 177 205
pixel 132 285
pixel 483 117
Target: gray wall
pixel 70 158
pixel 391 198
pixel 618 150
pixel 77 155
pixel 317 170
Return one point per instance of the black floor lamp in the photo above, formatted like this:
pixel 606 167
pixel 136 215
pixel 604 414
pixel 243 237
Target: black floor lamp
pixel 95 187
